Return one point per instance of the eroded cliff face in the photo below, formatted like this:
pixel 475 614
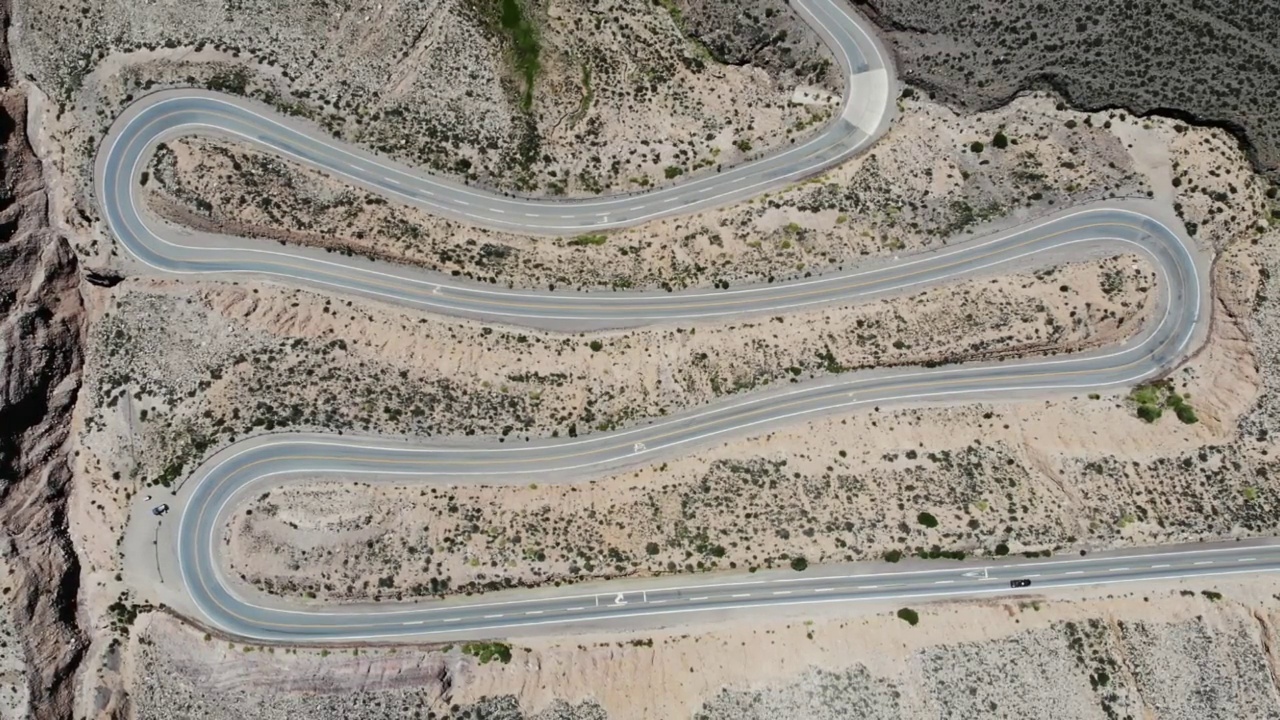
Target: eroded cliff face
pixel 41 333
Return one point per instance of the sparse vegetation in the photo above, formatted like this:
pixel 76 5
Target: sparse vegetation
pixel 1152 399
pixel 584 240
pixel 488 651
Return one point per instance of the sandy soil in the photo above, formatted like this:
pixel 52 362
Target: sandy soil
pixel 623 95
pixel 1207 61
pixel 1164 651
pixel 1029 476
pixel 178 370
pixel 924 183
pixel 14 693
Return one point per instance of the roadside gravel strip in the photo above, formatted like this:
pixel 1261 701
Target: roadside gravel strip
pixel 252 466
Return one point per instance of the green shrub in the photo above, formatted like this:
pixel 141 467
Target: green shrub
pixel 1186 414
pixel 799 564
pixel 1146 394
pixel 484 652
pixel 596 346
pixel 977 147
pixel 909 615
pixel 673 171
pixel 1150 413
pixel 892 556
pixel 927 520
pixel 1000 141
pixel 582 240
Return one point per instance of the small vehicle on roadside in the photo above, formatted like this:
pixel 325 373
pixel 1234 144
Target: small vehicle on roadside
pixel 160 509
pixel 1020 583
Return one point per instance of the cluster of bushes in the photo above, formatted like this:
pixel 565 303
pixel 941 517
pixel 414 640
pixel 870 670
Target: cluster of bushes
pixel 486 651
pixel 1152 400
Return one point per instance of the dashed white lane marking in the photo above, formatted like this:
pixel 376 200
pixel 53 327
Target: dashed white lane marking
pixel 943 582
pixel 500 211
pixel 451 620
pixel 704 597
pixel 1246 559
pixel 741 595
pixel 1116 569
pixel 656 602
pixel 534 612
pixel 868 587
pixel 393 181
pixel 1036 575
pixel 1203 562
pixel 781 592
pixel 1075 572
pixel 491 617
pixel 822 590
pixel 414 622
pixel 1159 566
pixel 577 609
pixel 532 215
pixel 462 202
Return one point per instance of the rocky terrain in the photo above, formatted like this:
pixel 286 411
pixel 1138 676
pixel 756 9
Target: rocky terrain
pixel 1183 58
pixel 41 327
pixel 1176 652
pixel 228 354
pixel 934 176
pixel 180 369
pixel 555 98
pixel 583 97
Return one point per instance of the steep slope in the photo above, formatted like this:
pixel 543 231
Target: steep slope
pixel 41 332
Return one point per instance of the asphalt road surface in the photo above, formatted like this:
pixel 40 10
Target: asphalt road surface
pixel 257 464
pixel 665 600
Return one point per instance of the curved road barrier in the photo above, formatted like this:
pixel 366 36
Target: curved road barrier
pixel 254 465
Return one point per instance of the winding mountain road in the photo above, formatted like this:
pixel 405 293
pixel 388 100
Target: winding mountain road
pixel 206 498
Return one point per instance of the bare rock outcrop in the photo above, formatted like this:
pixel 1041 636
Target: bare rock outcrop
pixel 41 334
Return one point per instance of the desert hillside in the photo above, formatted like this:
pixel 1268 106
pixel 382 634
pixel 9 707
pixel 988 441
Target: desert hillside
pixel 118 380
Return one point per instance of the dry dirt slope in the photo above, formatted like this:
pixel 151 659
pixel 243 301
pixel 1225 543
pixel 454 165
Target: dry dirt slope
pixel 621 97
pixel 1173 653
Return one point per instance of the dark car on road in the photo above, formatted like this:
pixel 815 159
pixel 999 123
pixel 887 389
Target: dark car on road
pixel 1021 583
